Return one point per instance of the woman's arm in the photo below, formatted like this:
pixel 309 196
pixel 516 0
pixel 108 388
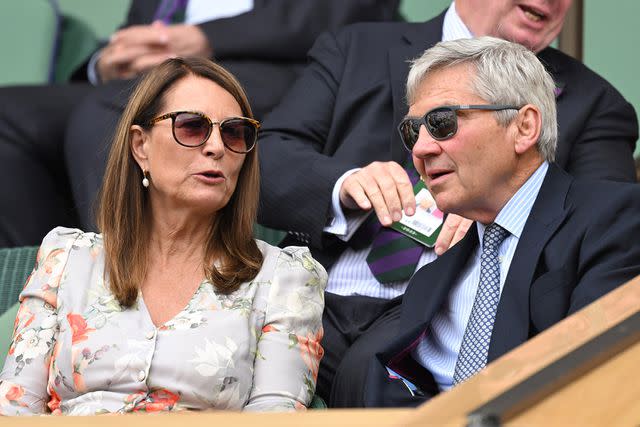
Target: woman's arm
pixel 289 351
pixel 23 381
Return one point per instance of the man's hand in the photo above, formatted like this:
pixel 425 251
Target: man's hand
pixel 383 186
pixel 135 49
pixel 453 230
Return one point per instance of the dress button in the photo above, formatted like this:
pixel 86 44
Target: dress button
pixel 141 376
pixel 151 334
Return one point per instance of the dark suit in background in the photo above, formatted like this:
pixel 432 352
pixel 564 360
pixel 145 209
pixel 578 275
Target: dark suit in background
pixel 581 240
pixel 342 113
pixel 265 48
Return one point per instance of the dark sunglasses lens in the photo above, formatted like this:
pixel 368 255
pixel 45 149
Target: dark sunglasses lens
pixel 238 135
pixel 441 123
pixel 191 129
pixel 409 131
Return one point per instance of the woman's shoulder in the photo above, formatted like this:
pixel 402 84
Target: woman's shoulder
pixel 63 238
pixel 72 237
pixel 53 258
pixel 290 259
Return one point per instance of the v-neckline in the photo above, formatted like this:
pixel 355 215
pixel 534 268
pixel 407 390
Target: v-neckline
pixel 143 305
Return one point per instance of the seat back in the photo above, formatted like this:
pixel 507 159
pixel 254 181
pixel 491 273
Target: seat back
pixel 28 31
pixel 15 266
pixel 85 24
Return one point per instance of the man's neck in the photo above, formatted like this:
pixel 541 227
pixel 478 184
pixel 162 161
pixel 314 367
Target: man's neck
pixel 477 19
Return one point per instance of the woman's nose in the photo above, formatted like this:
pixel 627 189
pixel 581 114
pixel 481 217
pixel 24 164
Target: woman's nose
pixel 214 146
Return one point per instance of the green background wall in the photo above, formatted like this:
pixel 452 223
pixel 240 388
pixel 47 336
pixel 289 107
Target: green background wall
pixel 612 45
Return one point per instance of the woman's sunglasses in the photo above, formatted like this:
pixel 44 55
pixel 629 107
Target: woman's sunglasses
pixel 441 122
pixel 193 129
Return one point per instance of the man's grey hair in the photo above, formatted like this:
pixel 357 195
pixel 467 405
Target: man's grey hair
pixel 506 73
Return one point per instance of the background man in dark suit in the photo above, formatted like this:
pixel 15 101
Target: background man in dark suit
pixel 544 244
pixel 263 42
pixel 331 148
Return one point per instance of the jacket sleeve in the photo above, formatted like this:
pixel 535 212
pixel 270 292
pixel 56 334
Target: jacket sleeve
pixel 298 169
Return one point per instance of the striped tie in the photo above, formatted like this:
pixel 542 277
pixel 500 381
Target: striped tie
pixel 171 11
pixel 394 256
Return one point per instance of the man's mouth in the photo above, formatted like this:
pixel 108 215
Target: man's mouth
pixel 533 14
pixel 434 174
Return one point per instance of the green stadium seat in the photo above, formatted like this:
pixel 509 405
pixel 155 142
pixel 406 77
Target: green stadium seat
pixel 27 40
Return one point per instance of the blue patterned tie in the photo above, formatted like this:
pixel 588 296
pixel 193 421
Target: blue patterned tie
pixel 475 343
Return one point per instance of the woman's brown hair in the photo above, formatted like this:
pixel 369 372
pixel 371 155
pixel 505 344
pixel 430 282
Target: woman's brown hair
pixel 123 207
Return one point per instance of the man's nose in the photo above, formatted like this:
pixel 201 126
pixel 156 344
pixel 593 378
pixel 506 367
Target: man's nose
pixel 425 145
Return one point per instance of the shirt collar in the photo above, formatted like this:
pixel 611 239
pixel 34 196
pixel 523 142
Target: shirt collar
pixel 453 28
pixel 513 216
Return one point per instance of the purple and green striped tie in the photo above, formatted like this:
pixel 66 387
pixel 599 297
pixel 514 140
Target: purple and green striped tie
pixel 394 256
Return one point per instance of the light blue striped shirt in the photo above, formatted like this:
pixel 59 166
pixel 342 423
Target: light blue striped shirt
pixel 350 275
pixel 439 350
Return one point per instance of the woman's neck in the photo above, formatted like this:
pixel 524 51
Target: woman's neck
pixel 178 239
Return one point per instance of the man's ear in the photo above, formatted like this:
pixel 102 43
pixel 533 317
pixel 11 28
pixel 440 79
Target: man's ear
pixel 139 146
pixel 528 125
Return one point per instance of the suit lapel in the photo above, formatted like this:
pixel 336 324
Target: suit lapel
pixel 416 39
pixel 511 327
pixel 427 291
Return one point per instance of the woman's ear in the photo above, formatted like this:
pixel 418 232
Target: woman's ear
pixel 528 128
pixel 139 146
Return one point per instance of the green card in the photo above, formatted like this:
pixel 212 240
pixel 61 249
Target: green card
pixel 425 225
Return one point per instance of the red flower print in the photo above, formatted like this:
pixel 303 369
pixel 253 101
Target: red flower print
pixel 311 351
pixel 158 400
pixel 269 328
pixel 14 393
pixel 79 327
pixel 54 402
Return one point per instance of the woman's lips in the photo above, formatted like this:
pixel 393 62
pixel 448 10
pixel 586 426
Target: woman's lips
pixel 211 177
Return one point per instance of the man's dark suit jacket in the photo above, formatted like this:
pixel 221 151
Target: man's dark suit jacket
pixel 581 240
pixel 343 111
pixel 266 47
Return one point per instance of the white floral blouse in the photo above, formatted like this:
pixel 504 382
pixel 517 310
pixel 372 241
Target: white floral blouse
pixel 75 350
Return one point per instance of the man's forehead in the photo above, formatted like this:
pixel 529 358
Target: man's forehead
pixel 447 86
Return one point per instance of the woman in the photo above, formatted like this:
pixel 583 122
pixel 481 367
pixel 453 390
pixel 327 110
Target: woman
pixel 174 305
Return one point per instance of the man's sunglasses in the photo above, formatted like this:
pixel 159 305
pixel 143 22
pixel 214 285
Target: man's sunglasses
pixel 193 129
pixel 441 122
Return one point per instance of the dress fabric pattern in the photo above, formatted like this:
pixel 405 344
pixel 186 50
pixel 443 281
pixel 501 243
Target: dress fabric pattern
pixel 76 351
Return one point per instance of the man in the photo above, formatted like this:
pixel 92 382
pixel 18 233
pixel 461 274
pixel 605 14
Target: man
pixel 263 42
pixel 330 151
pixel 482 129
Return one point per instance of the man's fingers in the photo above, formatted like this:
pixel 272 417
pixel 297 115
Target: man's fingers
pixel 149 35
pixel 453 230
pixel 352 195
pixel 383 186
pixel 145 62
pixel 462 230
pixel 373 191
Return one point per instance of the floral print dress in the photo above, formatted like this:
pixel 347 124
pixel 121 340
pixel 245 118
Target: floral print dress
pixel 75 350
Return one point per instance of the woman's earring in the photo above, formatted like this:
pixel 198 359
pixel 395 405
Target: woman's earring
pixel 145 180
